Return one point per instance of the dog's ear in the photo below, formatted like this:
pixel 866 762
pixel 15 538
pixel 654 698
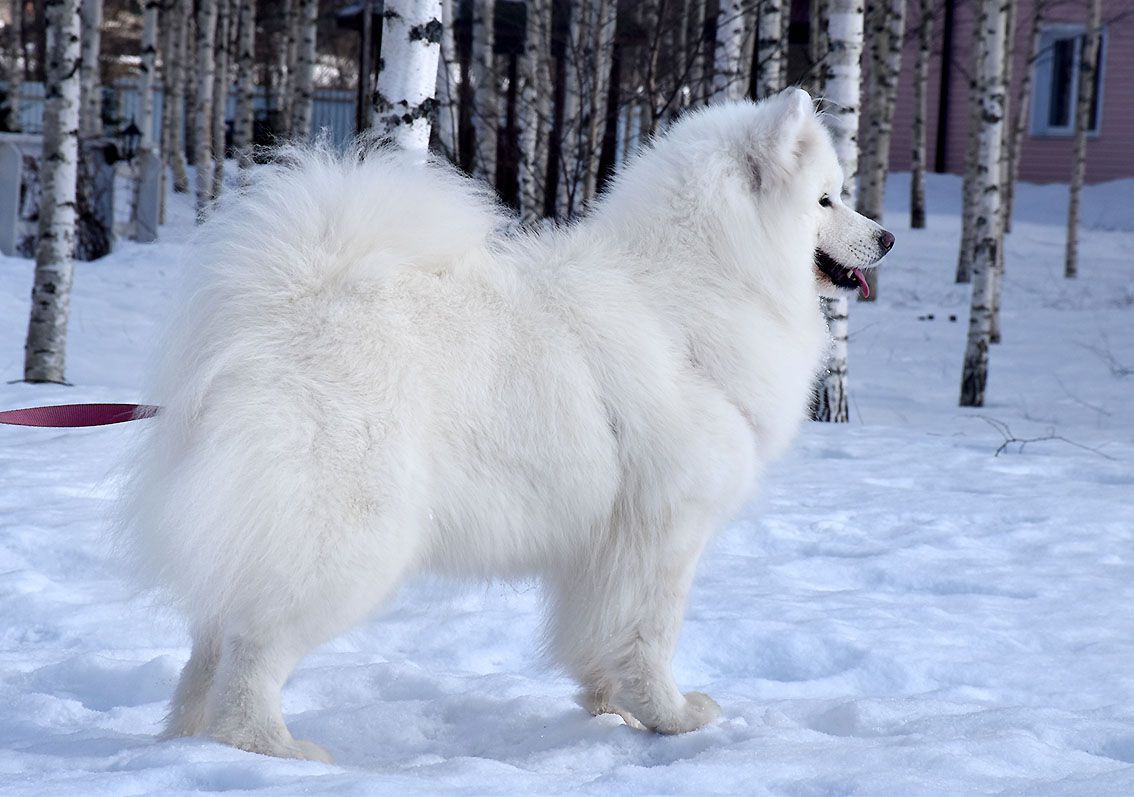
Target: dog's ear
pixel 794 113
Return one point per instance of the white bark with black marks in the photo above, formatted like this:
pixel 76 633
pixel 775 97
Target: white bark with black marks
pixel 988 236
pixel 918 157
pixel 969 190
pixel 148 69
pixel 221 82
pixel 46 347
pixel 90 124
pixel 771 47
pixel 1088 57
pixel 1003 166
pixel 245 82
pixel 202 117
pixel 174 72
pixel 731 64
pixel 304 84
pixel 843 81
pixel 404 104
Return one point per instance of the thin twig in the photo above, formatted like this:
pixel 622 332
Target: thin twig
pixel 1010 439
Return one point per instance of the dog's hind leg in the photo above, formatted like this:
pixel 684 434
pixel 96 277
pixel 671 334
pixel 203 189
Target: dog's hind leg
pixel 186 715
pixel 244 704
pixel 618 630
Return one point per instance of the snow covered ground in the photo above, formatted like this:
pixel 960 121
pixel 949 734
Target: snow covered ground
pixel 902 612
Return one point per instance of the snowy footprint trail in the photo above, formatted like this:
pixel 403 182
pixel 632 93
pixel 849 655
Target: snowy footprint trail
pixel 900 612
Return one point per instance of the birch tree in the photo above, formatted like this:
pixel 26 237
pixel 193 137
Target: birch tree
pixel 202 117
pixel 885 22
pixel 591 40
pixel 448 82
pixel 1088 58
pixel 482 75
pixel 173 82
pixel 245 82
pixel 771 55
pixel 148 71
pixel 45 351
pixel 14 78
pixel 921 94
pixel 404 103
pixel 535 110
pixel 91 114
pixel 303 86
pixel 1002 164
pixel 817 49
pixel 992 23
pixel 1022 107
pixel 731 67
pixel 969 186
pixel 843 89
pixel 220 91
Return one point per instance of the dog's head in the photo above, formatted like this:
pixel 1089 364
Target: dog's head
pixel 797 153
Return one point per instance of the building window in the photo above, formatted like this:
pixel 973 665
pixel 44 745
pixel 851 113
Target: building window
pixel 1055 92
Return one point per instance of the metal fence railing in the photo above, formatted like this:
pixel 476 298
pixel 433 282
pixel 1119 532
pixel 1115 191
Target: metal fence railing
pixel 333 111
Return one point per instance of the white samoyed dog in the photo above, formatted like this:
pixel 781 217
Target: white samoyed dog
pixel 371 378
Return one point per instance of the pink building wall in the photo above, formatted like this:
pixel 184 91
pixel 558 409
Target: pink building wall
pixel 1110 153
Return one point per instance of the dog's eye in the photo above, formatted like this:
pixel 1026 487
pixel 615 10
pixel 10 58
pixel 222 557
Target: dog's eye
pixel 825 200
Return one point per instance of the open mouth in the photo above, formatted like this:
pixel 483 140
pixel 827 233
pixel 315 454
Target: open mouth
pixel 842 276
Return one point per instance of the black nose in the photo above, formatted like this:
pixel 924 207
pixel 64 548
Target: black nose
pixel 886 241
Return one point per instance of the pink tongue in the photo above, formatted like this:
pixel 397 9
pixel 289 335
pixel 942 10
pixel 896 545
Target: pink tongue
pixel 862 285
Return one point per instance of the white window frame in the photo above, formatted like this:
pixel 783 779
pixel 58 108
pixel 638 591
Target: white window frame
pixel 1041 84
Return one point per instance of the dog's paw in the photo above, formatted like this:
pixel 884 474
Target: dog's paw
pixel 312 752
pixel 699 710
pixel 598 702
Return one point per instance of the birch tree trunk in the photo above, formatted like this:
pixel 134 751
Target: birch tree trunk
pixel 1002 164
pixel 1088 58
pixel 90 124
pixel 817 49
pixel 220 91
pixel 404 103
pixel 10 113
pixel 448 81
pixel 202 118
pixel 46 348
pixel 149 71
pixel 697 54
pixel 292 17
pixel 731 67
pixel 245 82
pixel 887 31
pixel 302 96
pixel 921 94
pixel 168 14
pixel 485 111
pixel 843 92
pixel 536 110
pixel 969 190
pixel 279 113
pixel 771 51
pixel 571 165
pixel 1023 110
pixel 175 97
pixel 601 49
pixel 988 236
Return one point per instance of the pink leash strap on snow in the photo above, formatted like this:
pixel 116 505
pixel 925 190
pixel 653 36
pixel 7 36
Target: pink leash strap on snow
pixel 72 415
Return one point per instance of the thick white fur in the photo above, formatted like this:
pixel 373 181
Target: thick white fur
pixel 371 379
